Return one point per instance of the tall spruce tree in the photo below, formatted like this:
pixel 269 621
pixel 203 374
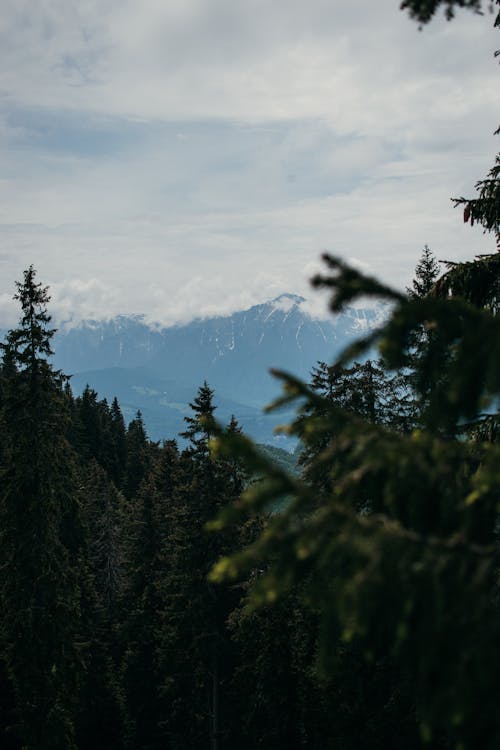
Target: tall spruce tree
pixel 426 274
pixel 421 379
pixel 149 552
pixel 101 574
pixel 366 391
pixel 40 532
pixel 196 647
pixel 201 424
pixel 138 456
pixel 118 444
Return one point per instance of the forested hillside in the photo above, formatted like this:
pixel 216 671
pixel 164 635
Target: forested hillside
pixel 214 593
pixel 117 632
pixel 112 635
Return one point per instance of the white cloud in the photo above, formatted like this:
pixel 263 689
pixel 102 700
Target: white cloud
pixel 364 66
pixel 195 156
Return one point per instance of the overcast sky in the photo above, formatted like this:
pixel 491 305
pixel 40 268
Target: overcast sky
pixel 190 157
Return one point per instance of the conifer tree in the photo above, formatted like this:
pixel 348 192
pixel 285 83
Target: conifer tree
pixel 426 274
pixel 101 715
pixel 90 424
pixel 422 342
pixel 138 456
pixel 118 445
pixel 95 430
pixel 365 390
pixel 196 647
pixel 144 607
pixel 40 533
pixel 200 425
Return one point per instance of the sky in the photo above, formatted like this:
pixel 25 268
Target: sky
pixel 185 158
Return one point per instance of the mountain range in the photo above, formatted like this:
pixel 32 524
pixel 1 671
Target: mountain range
pixel 158 369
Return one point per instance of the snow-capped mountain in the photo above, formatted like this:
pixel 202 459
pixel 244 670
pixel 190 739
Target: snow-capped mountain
pixel 159 369
pixel 232 353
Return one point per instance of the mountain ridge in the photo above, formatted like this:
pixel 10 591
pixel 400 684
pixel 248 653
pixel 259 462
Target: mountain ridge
pixel 158 369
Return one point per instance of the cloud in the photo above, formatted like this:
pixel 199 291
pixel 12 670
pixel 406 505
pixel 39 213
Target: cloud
pixel 186 158
pixel 362 67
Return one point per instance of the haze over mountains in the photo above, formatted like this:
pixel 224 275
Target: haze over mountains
pixel 158 370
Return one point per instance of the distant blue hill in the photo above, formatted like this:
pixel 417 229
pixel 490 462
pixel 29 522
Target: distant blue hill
pixel 158 370
pixel 164 403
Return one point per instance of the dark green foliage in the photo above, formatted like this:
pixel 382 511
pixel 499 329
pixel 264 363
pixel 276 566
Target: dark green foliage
pixel 118 441
pixel 360 603
pixel 393 535
pixel 398 548
pixel 196 650
pixel 422 340
pixel 365 391
pixel 91 425
pixel 201 425
pixel 281 457
pixel 476 282
pixel 40 532
pixel 380 561
pixel 147 550
pixel 9 718
pixel 485 209
pixel 426 274
pixel 103 509
pixel 273 685
pixel 100 721
pixel 99 434
pixel 424 10
pixel 138 456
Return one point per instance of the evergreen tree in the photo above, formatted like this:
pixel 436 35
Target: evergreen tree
pixel 103 510
pixel 196 649
pixel 426 274
pixel 406 528
pixel 400 552
pixel 485 209
pixel 99 433
pixel 118 441
pixel 40 532
pixel 201 424
pixel 101 720
pixel 282 700
pixel 420 378
pixel 138 456
pixel 364 390
pixel 90 444
pixel 148 553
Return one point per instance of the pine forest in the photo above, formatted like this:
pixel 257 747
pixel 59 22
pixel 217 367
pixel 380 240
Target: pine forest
pixel 197 592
